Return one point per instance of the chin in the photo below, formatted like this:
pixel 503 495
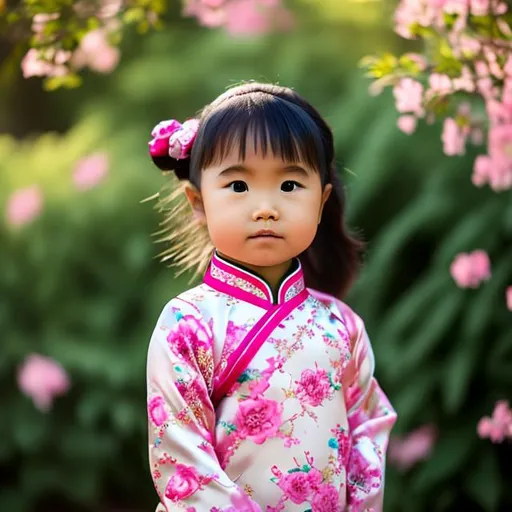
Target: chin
pixel 270 260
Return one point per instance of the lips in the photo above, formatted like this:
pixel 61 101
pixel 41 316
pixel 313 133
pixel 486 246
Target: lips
pixel 265 233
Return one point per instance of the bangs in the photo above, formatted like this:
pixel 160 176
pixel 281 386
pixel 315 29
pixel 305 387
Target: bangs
pixel 269 123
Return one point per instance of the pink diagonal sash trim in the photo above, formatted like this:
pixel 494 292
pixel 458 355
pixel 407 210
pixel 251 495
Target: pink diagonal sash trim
pixel 241 357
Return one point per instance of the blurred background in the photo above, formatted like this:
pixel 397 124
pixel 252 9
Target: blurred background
pixel 81 285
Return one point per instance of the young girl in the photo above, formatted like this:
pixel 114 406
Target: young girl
pixel 261 388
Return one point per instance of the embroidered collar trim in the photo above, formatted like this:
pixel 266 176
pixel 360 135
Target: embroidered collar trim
pixel 243 284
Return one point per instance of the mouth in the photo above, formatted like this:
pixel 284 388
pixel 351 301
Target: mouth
pixel 265 233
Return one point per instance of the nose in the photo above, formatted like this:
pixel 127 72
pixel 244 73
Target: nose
pixel 265 212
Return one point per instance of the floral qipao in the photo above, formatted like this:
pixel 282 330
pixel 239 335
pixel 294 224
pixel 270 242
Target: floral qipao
pixel 303 428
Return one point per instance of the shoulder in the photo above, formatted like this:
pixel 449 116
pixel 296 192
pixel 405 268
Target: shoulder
pixel 353 322
pixel 190 302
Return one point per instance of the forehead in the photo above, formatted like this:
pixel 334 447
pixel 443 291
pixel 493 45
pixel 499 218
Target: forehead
pixel 254 146
pixel 252 152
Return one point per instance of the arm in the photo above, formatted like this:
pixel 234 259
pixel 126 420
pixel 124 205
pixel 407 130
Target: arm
pixel 371 418
pixel 184 467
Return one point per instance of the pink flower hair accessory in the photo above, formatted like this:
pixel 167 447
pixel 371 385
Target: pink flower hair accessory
pixel 171 138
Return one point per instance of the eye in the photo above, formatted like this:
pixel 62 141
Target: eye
pixel 238 186
pixel 290 186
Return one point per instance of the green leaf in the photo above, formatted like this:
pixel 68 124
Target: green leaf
pixel 483 480
pixel 451 452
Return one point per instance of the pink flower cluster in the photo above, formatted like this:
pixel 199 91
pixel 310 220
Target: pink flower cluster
pixel 406 451
pixel 94 50
pixel 42 379
pixel 485 72
pixel 240 17
pixel 498 427
pixel 26 204
pixel 469 270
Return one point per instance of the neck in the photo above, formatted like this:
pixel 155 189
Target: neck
pixel 272 275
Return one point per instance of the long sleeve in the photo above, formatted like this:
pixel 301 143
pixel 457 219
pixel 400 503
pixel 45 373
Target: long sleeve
pixel 185 469
pixel 371 418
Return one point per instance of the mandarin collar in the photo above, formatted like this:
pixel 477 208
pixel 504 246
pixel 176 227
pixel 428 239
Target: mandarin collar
pixel 232 279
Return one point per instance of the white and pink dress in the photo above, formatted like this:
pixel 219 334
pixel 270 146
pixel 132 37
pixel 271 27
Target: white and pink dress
pixel 264 403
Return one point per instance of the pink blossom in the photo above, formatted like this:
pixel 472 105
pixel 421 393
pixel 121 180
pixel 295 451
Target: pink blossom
pixel 313 387
pixel 479 7
pixel 465 82
pixel 407 124
pixel 42 379
pixel 90 171
pixel 469 46
pixel 45 63
pixel 481 170
pixel 409 97
pixel 469 270
pixel 183 483
pixel 506 96
pixel 258 419
pixel 405 451
pixel 508 66
pixel 246 17
pixel 156 410
pixel 440 84
pixel 509 298
pixel 453 137
pixel 24 205
pixel 500 141
pixel 95 52
pixel 495 171
pixel 419 60
pixel 499 426
pixel 499 112
pixel 326 499
pixel 208 13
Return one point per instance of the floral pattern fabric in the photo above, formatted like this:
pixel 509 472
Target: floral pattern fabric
pixel 306 425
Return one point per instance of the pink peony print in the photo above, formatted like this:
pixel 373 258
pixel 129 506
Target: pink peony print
pixel 314 387
pixel 258 419
pixel 363 476
pixel 42 379
pixel 183 483
pixel 24 205
pixel 326 499
pixel 242 503
pixel 296 486
pixel 187 335
pixel 156 410
pixel 509 298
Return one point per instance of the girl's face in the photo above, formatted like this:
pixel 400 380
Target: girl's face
pixel 261 211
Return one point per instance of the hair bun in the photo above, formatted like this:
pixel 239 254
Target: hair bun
pixel 180 167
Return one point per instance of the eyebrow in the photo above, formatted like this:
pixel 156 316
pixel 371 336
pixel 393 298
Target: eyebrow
pixel 238 168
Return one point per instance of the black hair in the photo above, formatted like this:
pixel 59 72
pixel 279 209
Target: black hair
pixel 284 123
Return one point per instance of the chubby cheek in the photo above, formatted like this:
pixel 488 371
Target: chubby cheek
pixel 225 227
pixel 302 233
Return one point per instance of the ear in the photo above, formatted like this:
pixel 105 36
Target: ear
pixel 196 203
pixel 325 195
